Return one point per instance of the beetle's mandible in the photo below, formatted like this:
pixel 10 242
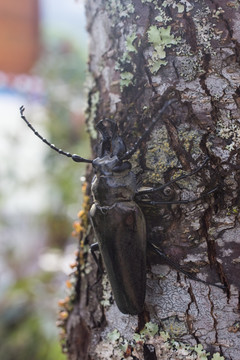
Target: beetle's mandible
pixel 117 219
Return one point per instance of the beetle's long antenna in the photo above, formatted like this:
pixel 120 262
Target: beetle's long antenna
pixel 181 177
pixel 178 267
pixel 75 157
pixel 129 153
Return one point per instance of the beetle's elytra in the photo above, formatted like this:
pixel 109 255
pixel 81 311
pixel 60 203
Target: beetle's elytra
pixel 117 219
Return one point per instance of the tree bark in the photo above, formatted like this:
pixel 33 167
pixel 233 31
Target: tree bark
pixel 143 53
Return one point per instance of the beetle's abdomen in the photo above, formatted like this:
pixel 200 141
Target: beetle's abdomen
pixel 121 233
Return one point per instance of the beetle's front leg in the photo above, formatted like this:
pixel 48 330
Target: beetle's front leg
pixel 177 267
pixel 181 177
pixel 95 247
pixel 151 202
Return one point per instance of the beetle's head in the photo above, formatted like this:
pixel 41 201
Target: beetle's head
pixel 111 149
pixel 111 143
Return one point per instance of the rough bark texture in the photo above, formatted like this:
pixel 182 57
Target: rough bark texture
pixel 142 53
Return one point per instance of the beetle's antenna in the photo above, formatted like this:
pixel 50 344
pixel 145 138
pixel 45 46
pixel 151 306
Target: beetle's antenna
pixel 178 267
pixel 75 157
pixel 129 153
pixel 181 177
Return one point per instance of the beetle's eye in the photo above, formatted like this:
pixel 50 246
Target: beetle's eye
pixel 167 191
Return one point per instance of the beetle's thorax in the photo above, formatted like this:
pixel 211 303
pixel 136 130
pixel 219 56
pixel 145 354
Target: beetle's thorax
pixel 113 181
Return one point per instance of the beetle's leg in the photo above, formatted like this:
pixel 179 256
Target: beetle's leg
pixel 95 247
pixel 184 176
pixel 151 202
pixel 178 267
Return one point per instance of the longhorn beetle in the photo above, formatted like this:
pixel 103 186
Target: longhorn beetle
pixel 117 219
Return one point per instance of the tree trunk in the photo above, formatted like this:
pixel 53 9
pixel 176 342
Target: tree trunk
pixel 142 54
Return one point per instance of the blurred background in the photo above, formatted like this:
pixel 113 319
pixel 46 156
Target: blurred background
pixel 43 55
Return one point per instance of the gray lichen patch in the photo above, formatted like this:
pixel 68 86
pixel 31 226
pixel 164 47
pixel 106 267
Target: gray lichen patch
pixel 174 326
pixel 206 29
pixel 106 294
pixel 118 9
pixel 227 128
pixel 159 156
pixel 190 139
pixel 92 115
pixel 188 65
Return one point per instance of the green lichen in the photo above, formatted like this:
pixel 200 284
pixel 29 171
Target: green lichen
pixel 129 42
pixel 129 9
pixel 180 8
pixel 113 336
pixel 117 347
pixel 150 330
pixel 203 356
pixel 155 63
pixel 217 356
pixel 126 79
pixel 167 3
pixel 120 345
pixel 161 38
